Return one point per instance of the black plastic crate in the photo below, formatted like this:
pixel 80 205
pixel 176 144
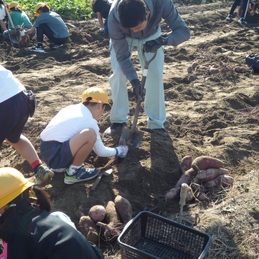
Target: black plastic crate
pixel 149 235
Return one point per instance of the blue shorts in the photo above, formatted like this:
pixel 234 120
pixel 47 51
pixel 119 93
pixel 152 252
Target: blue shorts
pixel 13 116
pixel 56 154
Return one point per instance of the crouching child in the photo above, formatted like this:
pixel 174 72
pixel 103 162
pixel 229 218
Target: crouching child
pixel 73 133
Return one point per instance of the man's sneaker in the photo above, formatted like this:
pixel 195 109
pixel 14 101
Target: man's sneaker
pixel 161 131
pixel 39 49
pixel 229 17
pixel 43 175
pixel 114 129
pixel 56 46
pixel 242 20
pixel 81 174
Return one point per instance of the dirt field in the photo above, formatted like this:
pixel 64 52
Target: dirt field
pixel 207 114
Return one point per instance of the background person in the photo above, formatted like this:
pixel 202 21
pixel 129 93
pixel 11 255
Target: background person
pixel 102 8
pixel 2 17
pixel 15 105
pixel 50 24
pixel 244 4
pixel 133 24
pixel 73 133
pixel 18 17
pixel 29 231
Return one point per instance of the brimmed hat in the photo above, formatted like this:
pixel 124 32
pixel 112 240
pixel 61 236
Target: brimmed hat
pixel 12 5
pixel 96 95
pixel 39 5
pixel 12 184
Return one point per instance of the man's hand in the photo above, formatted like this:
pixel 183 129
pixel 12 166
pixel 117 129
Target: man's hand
pixel 122 151
pixel 136 89
pixel 153 45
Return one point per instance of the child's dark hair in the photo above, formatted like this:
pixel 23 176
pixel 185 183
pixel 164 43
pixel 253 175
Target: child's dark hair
pixel 16 9
pixel 44 9
pixel 132 12
pixel 10 219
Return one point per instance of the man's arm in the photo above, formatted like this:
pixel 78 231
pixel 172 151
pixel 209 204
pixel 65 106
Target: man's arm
pixel 121 47
pixel 32 30
pixel 180 31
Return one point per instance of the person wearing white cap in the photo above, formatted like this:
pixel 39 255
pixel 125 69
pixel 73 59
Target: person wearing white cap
pixel 73 133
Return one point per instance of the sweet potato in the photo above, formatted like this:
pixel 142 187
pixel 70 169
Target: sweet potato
pixel 219 181
pixel 226 180
pixel 186 163
pixel 197 187
pixel 172 193
pixel 189 195
pixel 187 177
pixel 97 213
pixel 112 220
pixel 202 197
pixel 204 162
pixel 210 173
pixel 124 208
pixel 111 213
pixel 88 228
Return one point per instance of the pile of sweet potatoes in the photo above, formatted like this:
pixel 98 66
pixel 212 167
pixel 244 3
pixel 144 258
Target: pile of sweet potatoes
pixel 203 175
pixel 106 222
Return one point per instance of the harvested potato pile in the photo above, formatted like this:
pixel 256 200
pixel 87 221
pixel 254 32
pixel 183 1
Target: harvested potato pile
pixel 204 175
pixel 106 222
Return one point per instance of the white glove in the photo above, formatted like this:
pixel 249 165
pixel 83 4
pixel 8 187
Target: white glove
pixel 101 30
pixel 121 151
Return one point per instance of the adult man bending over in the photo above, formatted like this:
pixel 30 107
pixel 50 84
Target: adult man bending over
pixel 136 24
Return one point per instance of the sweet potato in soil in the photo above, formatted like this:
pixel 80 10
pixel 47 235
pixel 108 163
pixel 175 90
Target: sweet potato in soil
pixel 210 174
pixel 88 228
pixel 111 213
pixel 220 181
pixel 124 208
pixel 204 162
pixel 112 221
pixel 187 177
pixel 172 193
pixel 186 163
pixel 97 213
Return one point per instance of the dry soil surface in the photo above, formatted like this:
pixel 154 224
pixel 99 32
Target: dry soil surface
pixel 211 110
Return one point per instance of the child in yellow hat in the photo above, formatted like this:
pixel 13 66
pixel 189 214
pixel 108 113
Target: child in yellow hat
pixel 30 230
pixel 73 133
pixel 18 18
pixel 50 24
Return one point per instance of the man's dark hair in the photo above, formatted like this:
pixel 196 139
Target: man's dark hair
pixel 132 12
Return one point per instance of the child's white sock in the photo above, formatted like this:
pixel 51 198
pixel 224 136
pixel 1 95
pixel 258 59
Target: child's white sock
pixel 72 169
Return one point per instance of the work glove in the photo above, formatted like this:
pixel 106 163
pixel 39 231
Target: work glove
pixel 153 45
pixel 136 89
pixel 121 151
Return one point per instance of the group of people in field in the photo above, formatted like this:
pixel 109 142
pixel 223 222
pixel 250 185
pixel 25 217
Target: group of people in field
pixel 27 229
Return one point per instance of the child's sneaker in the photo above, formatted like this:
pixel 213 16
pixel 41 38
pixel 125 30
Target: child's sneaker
pixel 43 175
pixel 242 20
pixel 229 17
pixel 39 49
pixel 81 174
pixel 57 46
